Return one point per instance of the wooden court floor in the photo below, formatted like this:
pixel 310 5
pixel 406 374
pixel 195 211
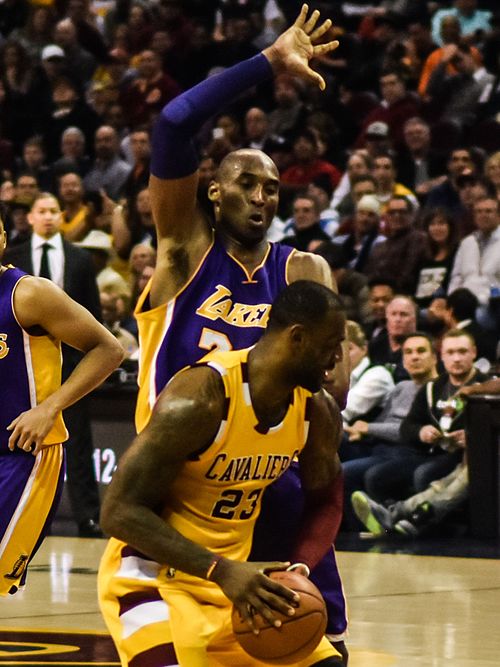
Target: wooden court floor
pixel 405 610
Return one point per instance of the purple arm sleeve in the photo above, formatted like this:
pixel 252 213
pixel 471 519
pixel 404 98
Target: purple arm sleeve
pixel 173 153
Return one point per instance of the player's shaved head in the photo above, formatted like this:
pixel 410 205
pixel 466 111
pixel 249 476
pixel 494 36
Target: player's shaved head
pixel 243 157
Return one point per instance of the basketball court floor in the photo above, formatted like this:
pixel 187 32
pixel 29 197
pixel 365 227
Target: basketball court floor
pixel 405 610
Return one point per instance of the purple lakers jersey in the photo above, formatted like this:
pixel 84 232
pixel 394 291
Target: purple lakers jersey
pixel 30 366
pixel 222 307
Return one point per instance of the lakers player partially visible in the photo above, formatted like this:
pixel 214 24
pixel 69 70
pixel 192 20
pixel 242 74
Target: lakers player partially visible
pixel 186 495
pixel 35 317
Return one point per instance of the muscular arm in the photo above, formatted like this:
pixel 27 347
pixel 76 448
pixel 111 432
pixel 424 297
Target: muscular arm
pixel 307 266
pixel 174 161
pixel 144 479
pixel 40 303
pixel 321 479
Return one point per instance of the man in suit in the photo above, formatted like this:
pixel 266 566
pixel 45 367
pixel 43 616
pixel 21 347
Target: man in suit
pixel 48 255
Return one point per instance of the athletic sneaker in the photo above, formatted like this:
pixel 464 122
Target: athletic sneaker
pixel 417 522
pixel 374 516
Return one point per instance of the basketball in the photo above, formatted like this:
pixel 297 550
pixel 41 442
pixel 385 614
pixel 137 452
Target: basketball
pixel 298 635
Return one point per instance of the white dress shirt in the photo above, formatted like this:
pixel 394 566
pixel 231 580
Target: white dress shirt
pixel 368 389
pixel 55 257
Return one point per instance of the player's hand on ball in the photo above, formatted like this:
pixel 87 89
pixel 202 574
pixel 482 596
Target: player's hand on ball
pixel 253 592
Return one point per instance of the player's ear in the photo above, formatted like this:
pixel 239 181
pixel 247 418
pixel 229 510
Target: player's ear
pixel 214 191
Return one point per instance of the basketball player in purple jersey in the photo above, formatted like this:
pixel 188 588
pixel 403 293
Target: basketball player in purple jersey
pixel 35 316
pixel 214 288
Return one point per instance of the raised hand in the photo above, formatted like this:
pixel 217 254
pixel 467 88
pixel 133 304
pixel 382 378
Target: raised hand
pixel 297 46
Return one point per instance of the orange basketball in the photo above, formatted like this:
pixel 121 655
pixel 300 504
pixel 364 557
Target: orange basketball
pixel 298 635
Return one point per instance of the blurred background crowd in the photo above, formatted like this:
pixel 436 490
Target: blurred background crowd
pixel 392 174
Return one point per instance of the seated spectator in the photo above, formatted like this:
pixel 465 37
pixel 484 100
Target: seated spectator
pixel 27 188
pixel 256 128
pixel 361 185
pixel 395 108
pixel 492 171
pixel 352 286
pixel 458 311
pixel 371 384
pixel 455 96
pixel 108 172
pixel 433 430
pixel 33 162
pixel 133 224
pixel 398 257
pixel 414 516
pixel 321 188
pixel 15 215
pixel 77 59
pixel 73 153
pixel 360 243
pixel 470 187
pixel 477 262
pixel 111 320
pixel 75 213
pixel 384 172
pixel 376 441
pixel 289 111
pixel 139 143
pixel 100 247
pixel 142 255
pixel 446 194
pixel 358 164
pixel 450 33
pixel 305 227
pixel 385 348
pixel 473 21
pixel 146 95
pixel 381 294
pixel 434 271
pixel 306 164
pixel 418 166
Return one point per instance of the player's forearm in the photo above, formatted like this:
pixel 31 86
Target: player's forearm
pixel 138 526
pixel 320 524
pixel 173 153
pixel 92 370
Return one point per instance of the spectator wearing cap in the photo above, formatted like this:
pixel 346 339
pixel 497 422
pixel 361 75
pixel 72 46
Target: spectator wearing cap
pixel 100 246
pixel 399 256
pixel 473 22
pixel 352 286
pixel 418 166
pixel 377 139
pixel 53 61
pixel 394 110
pixel 304 231
pixel 360 243
pixel 306 164
pixel 17 226
pixel 384 172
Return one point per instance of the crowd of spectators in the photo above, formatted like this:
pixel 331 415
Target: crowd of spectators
pixel 392 174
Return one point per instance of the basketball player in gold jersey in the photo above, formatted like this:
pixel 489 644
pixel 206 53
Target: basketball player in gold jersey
pixel 187 492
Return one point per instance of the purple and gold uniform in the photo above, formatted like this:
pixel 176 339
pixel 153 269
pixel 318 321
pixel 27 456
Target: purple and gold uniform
pixel 222 307
pixel 214 502
pixel 30 370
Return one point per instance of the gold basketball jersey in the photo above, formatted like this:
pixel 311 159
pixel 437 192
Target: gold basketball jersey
pixel 215 500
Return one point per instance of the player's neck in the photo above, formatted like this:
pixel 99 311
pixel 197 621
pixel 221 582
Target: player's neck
pixel 250 256
pixel 270 392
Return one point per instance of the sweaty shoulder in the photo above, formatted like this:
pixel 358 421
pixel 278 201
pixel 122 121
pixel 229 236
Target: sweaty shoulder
pixel 307 266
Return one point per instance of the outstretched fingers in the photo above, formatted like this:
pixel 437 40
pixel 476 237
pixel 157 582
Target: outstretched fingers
pixel 301 18
pixel 321 49
pixel 321 30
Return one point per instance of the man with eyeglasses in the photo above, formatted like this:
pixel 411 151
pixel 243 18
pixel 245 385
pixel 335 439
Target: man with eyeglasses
pixel 397 259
